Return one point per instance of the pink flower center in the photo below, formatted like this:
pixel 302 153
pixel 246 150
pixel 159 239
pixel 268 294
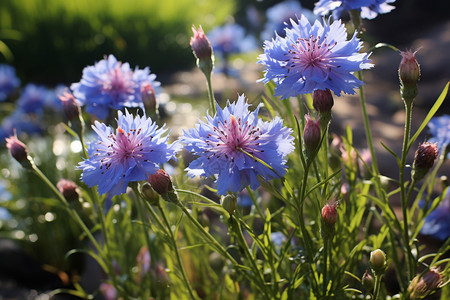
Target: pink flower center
pixel 123 146
pixel 310 53
pixel 234 136
pixel 118 83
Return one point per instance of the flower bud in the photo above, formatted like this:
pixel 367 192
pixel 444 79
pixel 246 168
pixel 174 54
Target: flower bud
pixel 378 261
pixel 367 281
pixel 329 213
pixel 70 107
pixel 69 189
pixel 323 100
pixel 161 182
pixel 149 194
pixel 200 44
pixel 409 70
pixel 19 151
pixel 424 160
pixel 409 73
pixel 149 98
pixel 203 51
pixel 229 202
pixel 311 136
pixel 421 287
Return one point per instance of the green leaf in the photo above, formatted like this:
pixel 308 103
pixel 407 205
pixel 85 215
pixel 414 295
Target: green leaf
pixel 91 254
pixel 268 106
pixel 430 114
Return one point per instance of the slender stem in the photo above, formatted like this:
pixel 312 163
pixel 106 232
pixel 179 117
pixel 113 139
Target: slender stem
pixel 376 291
pixel 177 254
pixel 404 199
pixel 241 240
pixel 212 101
pixel 325 263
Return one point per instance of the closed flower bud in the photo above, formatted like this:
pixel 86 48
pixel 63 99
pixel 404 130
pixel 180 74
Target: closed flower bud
pixel 378 261
pixel 367 281
pixel 200 44
pixel 424 159
pixel 69 189
pixel 70 107
pixel 161 182
pixel 409 73
pixel 409 70
pixel 421 287
pixel 19 151
pixel 149 98
pixel 229 203
pixel 329 213
pixel 323 100
pixel 311 136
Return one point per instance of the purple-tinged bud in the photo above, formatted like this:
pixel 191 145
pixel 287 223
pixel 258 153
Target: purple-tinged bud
pixel 19 151
pixel 421 287
pixel 70 107
pixel 143 261
pixel 202 51
pixel 311 136
pixel 162 184
pixel 424 159
pixel 323 100
pixel 149 98
pixel 329 213
pixel 329 218
pixel 378 261
pixel 409 73
pixel 69 189
pixel 200 44
pixel 108 291
pixel 229 202
pixel 409 70
pixel 367 281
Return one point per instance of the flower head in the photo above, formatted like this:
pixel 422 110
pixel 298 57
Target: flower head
pixel 111 84
pixel 133 152
pixel 230 38
pixel 228 143
pixel 440 130
pixel 8 81
pixel 70 107
pixel 369 8
pixel 33 99
pixel 313 57
pixel 329 213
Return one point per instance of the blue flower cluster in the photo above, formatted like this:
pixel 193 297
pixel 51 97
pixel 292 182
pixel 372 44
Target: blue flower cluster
pixel 440 131
pixel 8 81
pixel 312 57
pixel 229 39
pixel 111 84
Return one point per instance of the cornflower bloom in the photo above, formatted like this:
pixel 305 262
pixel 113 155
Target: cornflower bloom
pixel 312 57
pixel 437 223
pixel 111 84
pixel 8 81
pixel 440 130
pixel 229 39
pixel 34 99
pixel 133 152
pixel 369 8
pixel 228 143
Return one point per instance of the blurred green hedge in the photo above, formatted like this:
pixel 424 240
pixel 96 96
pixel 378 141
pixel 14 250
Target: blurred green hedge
pixel 55 39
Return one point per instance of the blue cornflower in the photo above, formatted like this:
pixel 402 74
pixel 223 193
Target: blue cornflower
pixel 112 84
pixel 437 223
pixel 20 122
pixel 229 39
pixel 221 142
pixel 33 99
pixel 133 152
pixel 440 130
pixel 313 57
pixel 278 17
pixel 8 81
pixel 369 8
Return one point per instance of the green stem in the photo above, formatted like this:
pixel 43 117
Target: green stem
pixel 404 199
pixel 325 263
pixel 212 101
pixel 177 254
pixel 376 291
